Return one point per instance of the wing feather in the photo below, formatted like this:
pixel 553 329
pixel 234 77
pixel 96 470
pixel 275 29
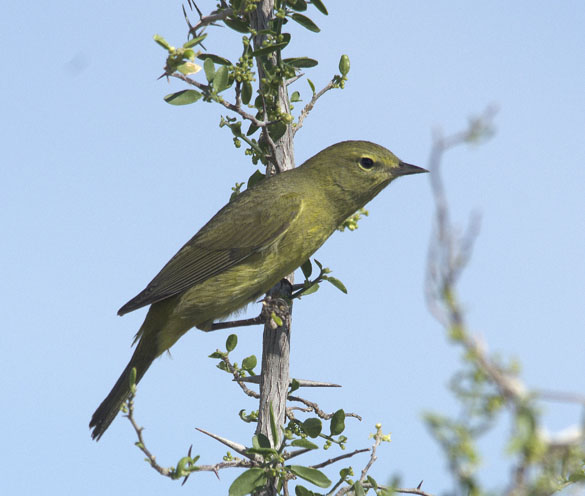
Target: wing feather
pixel 239 230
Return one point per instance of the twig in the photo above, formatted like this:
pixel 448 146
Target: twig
pixel 230 106
pixel 140 444
pixel 311 104
pixel 209 19
pixel 340 457
pixel 320 413
pixel 238 378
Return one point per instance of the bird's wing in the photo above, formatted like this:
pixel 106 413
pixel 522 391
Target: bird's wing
pixel 235 233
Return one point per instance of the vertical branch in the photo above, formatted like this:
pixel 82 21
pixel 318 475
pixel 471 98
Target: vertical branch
pixel 276 341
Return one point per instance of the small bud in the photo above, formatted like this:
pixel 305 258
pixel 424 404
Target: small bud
pixel 344 65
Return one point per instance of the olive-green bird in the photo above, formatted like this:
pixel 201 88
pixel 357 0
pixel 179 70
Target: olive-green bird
pixel 258 238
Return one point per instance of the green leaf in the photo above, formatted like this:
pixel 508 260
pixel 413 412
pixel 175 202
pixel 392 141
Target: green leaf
pixel 195 41
pixel 221 79
pixel 246 92
pixel 312 289
pixel 337 283
pixel 311 474
pixel 299 5
pixel 249 363
pixel 237 25
pixel 311 85
pixel 161 41
pixel 209 69
pixel 255 178
pixel 273 427
pixel 215 58
pixel 231 342
pixel 304 443
pixel 217 354
pixel 312 427
pixel 294 385
pixel 260 441
pixel 305 22
pixel 265 50
pixel 337 423
pixel 373 482
pixel 183 97
pixel 303 491
pixel 188 68
pixel 277 320
pixel 307 268
pixel 320 7
pixel 277 130
pixel 295 97
pixel 262 451
pixel 358 489
pixel 301 62
pixel 248 481
pixel 251 130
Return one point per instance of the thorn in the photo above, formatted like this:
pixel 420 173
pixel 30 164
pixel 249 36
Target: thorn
pixel 420 485
pixel 255 379
pixel 239 448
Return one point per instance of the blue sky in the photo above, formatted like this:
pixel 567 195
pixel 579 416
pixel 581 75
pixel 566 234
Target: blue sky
pixel 102 182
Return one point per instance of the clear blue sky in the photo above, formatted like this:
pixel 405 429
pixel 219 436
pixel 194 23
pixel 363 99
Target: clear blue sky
pixel 101 182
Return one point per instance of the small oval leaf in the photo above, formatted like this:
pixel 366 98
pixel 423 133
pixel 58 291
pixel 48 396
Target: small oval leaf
pixel 304 443
pixel 231 342
pixel 237 25
pixel 221 79
pixel 305 22
pixel 311 474
pixel 246 92
pixel 265 50
pixel 307 268
pixel 195 41
pixel 312 427
pixel 301 62
pixel 161 41
pixel 337 283
pixel 250 362
pixel 248 481
pixel 183 97
pixel 215 58
pixel 337 423
pixel 320 7
pixel 209 69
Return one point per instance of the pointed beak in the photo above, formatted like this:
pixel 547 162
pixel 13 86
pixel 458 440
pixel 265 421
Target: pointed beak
pixel 405 169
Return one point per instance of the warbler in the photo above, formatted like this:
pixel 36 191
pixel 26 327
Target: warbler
pixel 255 240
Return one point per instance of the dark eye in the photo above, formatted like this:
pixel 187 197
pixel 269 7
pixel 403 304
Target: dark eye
pixel 366 162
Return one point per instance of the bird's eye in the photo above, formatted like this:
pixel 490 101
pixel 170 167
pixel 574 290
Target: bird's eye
pixel 366 163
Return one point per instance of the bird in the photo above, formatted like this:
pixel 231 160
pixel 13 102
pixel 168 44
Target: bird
pixel 259 237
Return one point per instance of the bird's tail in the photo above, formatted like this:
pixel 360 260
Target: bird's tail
pixel 109 408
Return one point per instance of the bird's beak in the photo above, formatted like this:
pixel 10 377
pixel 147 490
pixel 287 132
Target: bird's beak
pixel 405 169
